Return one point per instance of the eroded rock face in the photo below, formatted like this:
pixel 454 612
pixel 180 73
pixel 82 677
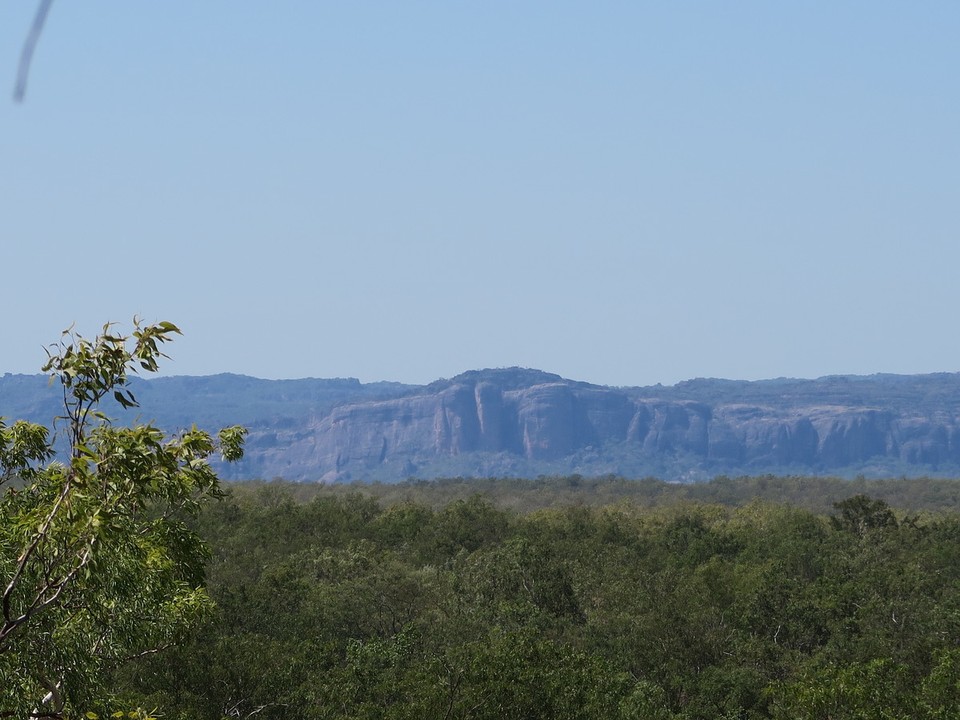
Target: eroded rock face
pixel 527 422
pixel 535 419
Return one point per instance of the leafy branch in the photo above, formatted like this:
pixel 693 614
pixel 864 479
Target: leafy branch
pixel 96 563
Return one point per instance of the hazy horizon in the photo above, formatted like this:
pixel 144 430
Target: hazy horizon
pixel 166 375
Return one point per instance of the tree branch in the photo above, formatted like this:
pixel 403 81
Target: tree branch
pixel 26 55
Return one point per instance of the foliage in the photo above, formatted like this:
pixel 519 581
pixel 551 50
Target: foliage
pixel 97 562
pixel 339 607
pixel 815 493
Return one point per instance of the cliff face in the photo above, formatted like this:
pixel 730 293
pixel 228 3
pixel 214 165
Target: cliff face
pixel 525 422
pixel 488 423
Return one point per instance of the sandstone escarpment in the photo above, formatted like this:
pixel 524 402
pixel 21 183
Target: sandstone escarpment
pixel 526 422
pixel 496 420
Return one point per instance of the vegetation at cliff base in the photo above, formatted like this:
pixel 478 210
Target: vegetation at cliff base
pixel 341 606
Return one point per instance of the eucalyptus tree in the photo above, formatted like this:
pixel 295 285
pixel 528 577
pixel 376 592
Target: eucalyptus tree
pixel 97 566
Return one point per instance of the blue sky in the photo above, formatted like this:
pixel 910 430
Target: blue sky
pixel 620 192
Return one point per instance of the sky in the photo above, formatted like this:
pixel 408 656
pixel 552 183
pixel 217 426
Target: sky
pixel 625 193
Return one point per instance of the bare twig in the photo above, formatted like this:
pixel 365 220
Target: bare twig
pixel 26 55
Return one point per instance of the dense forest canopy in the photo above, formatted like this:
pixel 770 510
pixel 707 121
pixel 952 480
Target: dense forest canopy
pixel 572 598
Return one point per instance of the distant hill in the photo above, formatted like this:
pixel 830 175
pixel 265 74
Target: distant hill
pixel 524 423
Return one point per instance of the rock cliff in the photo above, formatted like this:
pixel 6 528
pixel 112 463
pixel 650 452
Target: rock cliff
pixel 526 423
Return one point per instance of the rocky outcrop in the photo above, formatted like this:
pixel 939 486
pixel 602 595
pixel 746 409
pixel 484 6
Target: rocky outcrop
pixel 523 422
pixel 526 422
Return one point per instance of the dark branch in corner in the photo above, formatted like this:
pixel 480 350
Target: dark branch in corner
pixel 26 55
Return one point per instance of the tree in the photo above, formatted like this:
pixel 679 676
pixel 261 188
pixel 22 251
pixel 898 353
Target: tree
pixel 874 690
pixel 860 514
pixel 96 563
